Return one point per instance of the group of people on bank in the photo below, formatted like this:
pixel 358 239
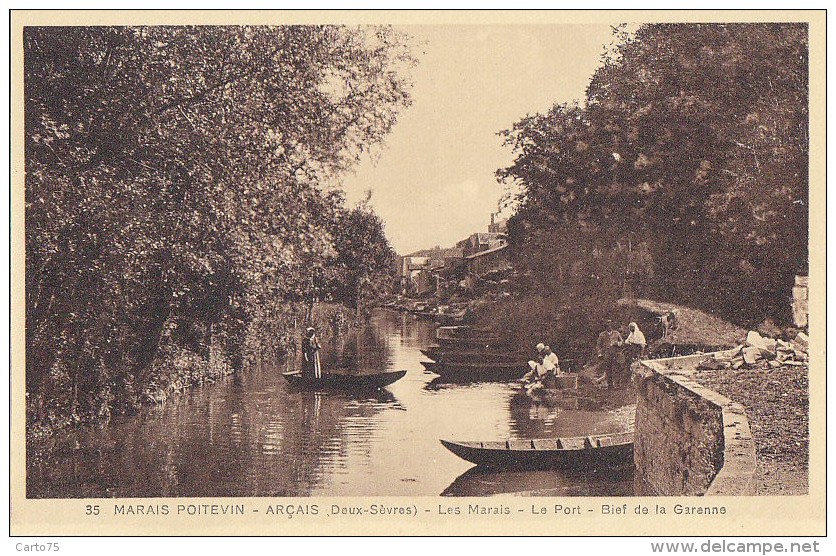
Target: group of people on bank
pixel 544 369
pixel 615 354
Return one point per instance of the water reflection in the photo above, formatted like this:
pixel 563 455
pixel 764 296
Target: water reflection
pixel 255 435
pixel 480 482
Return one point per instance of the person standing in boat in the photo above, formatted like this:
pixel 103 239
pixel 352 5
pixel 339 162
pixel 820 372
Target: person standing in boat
pixel 609 349
pixel 311 366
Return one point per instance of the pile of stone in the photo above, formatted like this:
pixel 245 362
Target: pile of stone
pixel 775 352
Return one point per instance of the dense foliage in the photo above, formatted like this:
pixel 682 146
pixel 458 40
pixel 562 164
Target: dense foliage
pixel 683 175
pixel 176 199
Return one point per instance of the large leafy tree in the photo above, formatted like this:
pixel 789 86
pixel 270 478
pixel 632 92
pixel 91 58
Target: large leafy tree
pixel 692 141
pixel 173 182
pixel 365 260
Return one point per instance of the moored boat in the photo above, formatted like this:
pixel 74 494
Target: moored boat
pixel 451 317
pixel 604 450
pixel 476 372
pixel 344 380
pixel 431 352
pixel 474 343
pixel 464 332
pixel 487 357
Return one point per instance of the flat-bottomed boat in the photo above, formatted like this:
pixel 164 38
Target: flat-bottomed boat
pixel 585 452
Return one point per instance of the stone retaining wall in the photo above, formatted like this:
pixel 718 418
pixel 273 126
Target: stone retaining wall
pixel 689 440
pixel 800 306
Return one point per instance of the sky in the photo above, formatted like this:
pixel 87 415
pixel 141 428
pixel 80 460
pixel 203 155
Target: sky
pixel 433 182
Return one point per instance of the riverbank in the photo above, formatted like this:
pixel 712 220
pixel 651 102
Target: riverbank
pixel 255 435
pixel 694 327
pixel 775 399
pixel 571 331
pixel 177 368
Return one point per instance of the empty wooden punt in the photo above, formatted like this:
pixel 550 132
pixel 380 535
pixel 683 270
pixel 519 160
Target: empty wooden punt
pixel 605 450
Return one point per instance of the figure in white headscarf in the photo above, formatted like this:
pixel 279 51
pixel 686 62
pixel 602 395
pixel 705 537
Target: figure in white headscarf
pixel 635 342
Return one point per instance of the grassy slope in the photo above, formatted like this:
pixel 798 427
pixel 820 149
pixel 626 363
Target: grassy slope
pixel 695 326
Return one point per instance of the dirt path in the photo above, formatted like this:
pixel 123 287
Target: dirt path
pixel 776 402
pixel 695 326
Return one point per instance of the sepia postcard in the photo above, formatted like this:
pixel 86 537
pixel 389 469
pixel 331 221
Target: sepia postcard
pixel 418 273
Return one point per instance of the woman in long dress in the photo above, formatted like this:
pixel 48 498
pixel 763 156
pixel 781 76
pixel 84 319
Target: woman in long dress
pixel 311 367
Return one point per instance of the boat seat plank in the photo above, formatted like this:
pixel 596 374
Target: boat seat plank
pixel 494 445
pixel 572 443
pixel 590 442
pixel 605 441
pixel 623 437
pixel 519 445
pixel 545 444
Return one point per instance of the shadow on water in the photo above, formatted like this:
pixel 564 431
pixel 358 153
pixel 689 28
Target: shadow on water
pixel 253 438
pixel 478 481
pixel 359 395
pixel 253 434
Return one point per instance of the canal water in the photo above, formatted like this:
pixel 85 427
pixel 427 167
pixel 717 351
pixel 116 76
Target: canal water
pixel 253 434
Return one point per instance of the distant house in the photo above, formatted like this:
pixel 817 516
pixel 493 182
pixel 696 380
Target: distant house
pixel 498 227
pixel 409 269
pixel 481 241
pixel 411 264
pixel 491 260
pixel 483 263
pixel 453 266
pixel 416 274
pixel 423 283
pixel 423 272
